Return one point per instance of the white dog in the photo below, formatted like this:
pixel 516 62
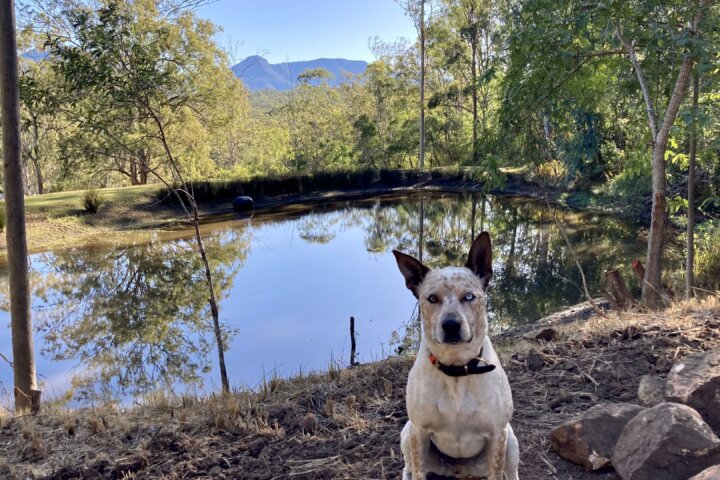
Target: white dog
pixel 458 397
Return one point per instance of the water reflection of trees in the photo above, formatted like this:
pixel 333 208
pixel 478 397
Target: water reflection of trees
pixel 135 317
pixel 534 272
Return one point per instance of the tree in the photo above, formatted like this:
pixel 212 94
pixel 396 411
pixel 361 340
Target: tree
pixel 474 22
pixel 415 9
pixel 131 66
pixel 686 35
pixel 26 394
pixel 689 266
pixel 586 42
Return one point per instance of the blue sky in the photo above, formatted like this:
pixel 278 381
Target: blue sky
pixel 293 30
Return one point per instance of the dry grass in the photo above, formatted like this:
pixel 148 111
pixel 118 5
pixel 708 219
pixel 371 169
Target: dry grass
pixel 330 424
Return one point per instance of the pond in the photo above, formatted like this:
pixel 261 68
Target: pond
pixel 116 321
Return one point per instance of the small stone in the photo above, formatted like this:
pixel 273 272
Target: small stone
pixel 712 473
pixel 535 360
pixel 309 423
pixel 669 441
pixel 651 391
pixel 256 446
pixel 588 439
pixel 695 381
pixel 547 334
pixel 563 396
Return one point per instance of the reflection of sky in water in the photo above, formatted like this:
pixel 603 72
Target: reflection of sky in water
pixel 306 274
pixel 292 301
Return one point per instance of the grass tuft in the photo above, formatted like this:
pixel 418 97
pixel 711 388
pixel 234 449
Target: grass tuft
pixel 92 201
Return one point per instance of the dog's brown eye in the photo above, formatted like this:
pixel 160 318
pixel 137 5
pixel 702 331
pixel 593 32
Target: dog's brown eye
pixel 469 297
pixel 433 299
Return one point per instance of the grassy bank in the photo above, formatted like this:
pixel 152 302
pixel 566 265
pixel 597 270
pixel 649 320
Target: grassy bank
pixel 59 220
pixel 346 424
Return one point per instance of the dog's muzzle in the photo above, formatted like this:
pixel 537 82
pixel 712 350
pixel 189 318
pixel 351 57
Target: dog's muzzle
pixel 451 329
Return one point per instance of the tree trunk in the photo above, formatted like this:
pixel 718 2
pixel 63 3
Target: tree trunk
pixel 26 394
pixel 421 157
pixel 133 171
pixel 473 65
pixel 689 265
pixel 421 228
pixel 652 286
pixel 212 300
pixel 35 158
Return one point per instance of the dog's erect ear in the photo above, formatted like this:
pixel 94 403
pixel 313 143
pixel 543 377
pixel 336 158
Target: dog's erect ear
pixel 480 258
pixel 413 271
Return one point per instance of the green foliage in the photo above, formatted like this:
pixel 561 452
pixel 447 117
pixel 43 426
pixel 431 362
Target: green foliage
pixel 552 88
pixel 92 201
pixel 707 255
pixel 315 74
pixel 633 182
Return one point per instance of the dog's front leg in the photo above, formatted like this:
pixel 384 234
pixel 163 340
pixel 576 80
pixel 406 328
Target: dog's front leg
pixel 496 457
pixel 419 449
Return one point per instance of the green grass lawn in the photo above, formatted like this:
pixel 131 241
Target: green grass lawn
pixel 70 203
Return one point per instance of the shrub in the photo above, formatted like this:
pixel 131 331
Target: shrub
pixel 92 201
pixel 634 181
pixel 551 173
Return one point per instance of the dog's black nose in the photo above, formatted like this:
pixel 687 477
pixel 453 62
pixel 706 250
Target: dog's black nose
pixel 451 329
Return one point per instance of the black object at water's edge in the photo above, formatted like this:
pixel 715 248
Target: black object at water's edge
pixel 243 203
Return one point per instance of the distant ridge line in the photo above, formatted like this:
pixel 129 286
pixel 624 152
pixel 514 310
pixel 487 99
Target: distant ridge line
pixel 258 74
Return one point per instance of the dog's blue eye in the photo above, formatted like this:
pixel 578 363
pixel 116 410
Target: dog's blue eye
pixel 433 299
pixel 469 297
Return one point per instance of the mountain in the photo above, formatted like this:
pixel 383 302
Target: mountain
pixel 257 74
pixel 34 55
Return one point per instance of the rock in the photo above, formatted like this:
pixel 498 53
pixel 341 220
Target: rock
pixel 309 423
pixel 256 446
pixel 588 440
pixel 695 381
pixel 243 203
pixel 651 391
pixel 712 473
pixel 561 397
pixel 535 360
pixel 669 441
pixel 547 334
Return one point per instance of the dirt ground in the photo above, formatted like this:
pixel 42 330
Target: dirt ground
pixel 346 424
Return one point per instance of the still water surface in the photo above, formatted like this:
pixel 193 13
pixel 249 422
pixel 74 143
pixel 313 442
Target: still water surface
pixel 120 320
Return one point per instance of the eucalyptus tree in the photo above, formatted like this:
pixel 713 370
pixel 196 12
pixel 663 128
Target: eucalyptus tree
pixel 677 27
pixel 25 387
pixel 475 22
pixel 157 76
pixel 416 9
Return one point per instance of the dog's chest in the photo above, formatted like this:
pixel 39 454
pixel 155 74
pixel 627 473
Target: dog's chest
pixel 460 416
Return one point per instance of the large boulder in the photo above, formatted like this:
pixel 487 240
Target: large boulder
pixel 712 473
pixel 695 381
pixel 588 440
pixel 666 442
